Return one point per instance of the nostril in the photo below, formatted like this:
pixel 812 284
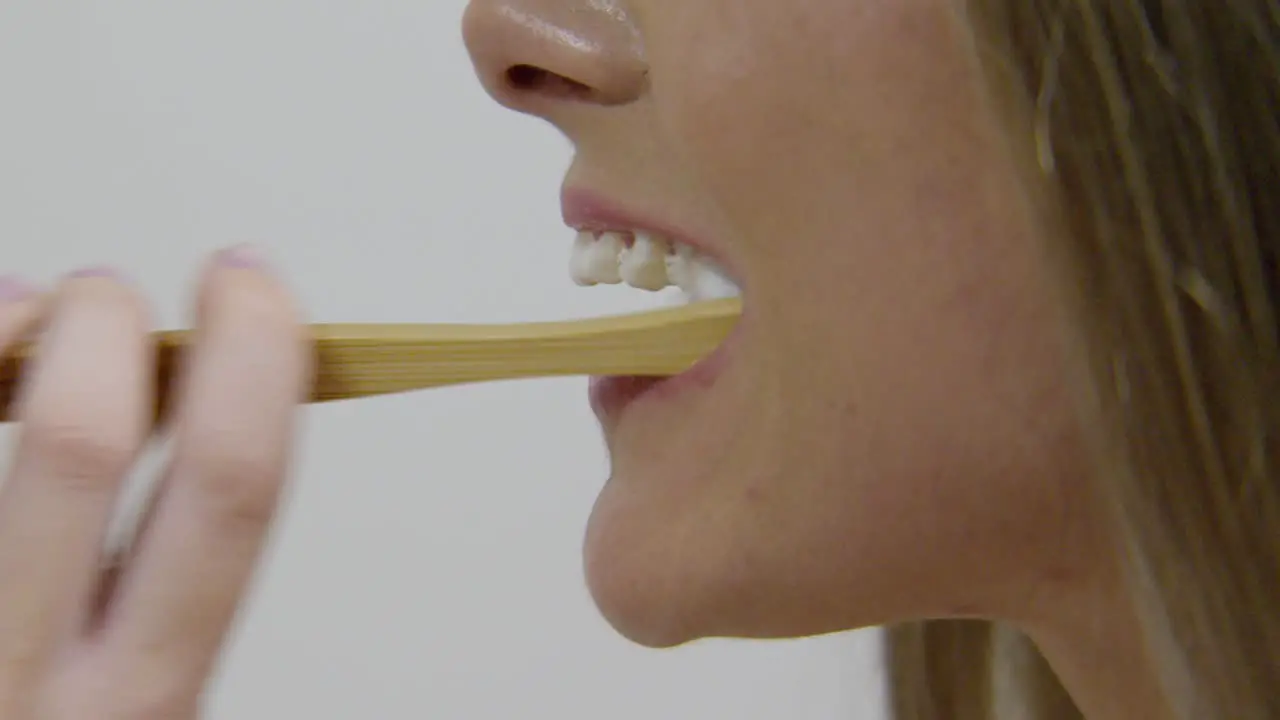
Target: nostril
pixel 531 79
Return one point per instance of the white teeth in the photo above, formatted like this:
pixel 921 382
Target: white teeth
pixel 649 263
pixel 643 265
pixel 682 267
pixel 580 261
pixel 602 258
pixel 698 277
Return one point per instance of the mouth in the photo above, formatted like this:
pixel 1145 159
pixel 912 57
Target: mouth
pixel 614 248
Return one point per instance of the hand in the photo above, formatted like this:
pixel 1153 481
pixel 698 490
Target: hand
pixel 88 635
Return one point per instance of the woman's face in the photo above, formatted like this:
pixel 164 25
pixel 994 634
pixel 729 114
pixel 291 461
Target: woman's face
pixel 889 435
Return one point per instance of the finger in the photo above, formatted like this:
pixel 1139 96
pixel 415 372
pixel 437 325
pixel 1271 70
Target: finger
pixel 84 416
pixel 116 556
pixel 234 427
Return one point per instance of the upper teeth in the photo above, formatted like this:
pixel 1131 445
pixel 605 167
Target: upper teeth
pixel 647 262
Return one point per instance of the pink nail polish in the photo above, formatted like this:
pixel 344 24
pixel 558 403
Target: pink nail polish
pixel 94 271
pixel 13 289
pixel 241 256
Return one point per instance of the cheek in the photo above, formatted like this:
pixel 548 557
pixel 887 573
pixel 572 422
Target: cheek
pixel 896 441
pixel 787 112
pixel 931 468
pixel 843 146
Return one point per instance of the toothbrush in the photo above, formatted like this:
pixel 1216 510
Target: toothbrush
pixel 363 360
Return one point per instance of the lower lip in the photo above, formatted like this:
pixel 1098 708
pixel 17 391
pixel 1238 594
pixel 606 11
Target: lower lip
pixel 613 395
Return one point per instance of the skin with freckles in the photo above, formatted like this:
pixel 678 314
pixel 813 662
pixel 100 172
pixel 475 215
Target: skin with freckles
pixel 891 438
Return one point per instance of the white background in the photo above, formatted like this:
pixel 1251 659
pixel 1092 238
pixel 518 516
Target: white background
pixel 429 563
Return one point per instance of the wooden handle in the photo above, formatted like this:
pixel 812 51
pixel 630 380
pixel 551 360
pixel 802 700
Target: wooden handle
pixel 363 360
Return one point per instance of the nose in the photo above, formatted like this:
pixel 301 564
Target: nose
pixel 539 55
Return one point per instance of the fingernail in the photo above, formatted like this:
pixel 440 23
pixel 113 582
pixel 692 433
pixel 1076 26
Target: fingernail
pixel 241 256
pixel 13 289
pixel 94 271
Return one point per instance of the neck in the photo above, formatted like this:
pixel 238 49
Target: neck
pixel 1093 641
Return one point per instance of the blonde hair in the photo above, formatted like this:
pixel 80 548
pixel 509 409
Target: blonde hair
pixel 1157 123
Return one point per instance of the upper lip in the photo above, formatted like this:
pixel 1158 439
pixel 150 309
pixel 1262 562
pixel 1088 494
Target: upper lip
pixel 585 210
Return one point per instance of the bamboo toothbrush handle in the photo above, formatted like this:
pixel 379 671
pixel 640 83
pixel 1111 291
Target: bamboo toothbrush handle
pixel 362 360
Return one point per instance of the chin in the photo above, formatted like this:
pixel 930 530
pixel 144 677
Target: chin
pixel 645 551
pixel 669 547
pixel 635 579
pixel 657 545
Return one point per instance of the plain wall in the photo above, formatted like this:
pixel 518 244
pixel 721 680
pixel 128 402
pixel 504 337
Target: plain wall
pixel 428 564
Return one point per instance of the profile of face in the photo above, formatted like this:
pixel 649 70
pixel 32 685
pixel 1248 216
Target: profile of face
pixel 889 434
